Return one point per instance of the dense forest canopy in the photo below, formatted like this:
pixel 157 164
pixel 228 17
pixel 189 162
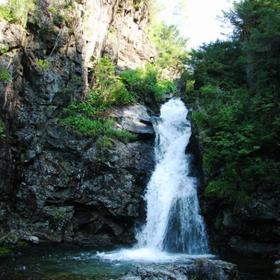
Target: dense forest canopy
pixel 234 88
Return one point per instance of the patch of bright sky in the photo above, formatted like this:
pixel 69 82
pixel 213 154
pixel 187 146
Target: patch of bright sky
pixel 197 20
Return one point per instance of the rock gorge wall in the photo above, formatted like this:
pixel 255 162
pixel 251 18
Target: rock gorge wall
pixel 56 185
pixel 249 227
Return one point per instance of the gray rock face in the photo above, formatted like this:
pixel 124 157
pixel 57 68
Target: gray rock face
pixel 127 41
pixel 135 119
pixel 72 191
pixel 200 270
pixel 56 185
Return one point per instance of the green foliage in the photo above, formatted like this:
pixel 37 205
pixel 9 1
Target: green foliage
pixel 147 82
pixel 122 135
pixel 104 143
pixel 98 127
pixel 43 64
pixel 108 88
pixel 16 11
pixel 86 125
pixel 237 103
pixel 5 75
pixel 3 49
pixel 90 116
pixel 171 47
pixel 5 14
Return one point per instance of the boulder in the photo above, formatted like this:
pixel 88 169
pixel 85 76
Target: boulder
pixel 135 119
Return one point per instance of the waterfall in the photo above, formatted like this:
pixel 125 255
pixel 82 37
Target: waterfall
pixel 173 223
pixel 173 219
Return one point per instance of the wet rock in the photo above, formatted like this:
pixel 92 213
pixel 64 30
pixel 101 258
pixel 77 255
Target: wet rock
pixel 201 269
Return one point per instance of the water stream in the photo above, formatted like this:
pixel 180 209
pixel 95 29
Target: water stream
pixel 174 226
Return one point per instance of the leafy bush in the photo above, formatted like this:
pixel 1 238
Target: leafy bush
pixel 5 75
pixel 104 142
pixel 42 64
pixel 98 127
pixel 147 81
pixel 3 49
pixel 6 14
pixel 16 11
pixel 90 117
pixel 108 88
pixel 86 125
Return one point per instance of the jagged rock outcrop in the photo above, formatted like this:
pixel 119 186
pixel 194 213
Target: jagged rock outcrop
pixel 57 185
pixel 200 270
pixel 127 41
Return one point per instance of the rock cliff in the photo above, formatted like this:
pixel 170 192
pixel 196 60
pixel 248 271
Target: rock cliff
pixel 56 185
pixel 249 227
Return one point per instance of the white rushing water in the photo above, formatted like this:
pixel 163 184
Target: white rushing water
pixel 174 226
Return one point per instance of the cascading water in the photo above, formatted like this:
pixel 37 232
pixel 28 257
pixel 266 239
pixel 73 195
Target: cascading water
pixel 173 219
pixel 173 223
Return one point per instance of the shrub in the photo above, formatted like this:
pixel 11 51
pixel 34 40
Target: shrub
pixel 98 127
pixel 6 14
pixel 147 81
pixel 104 143
pixel 3 49
pixel 16 11
pixel 42 64
pixel 108 88
pixel 5 75
pixel 84 125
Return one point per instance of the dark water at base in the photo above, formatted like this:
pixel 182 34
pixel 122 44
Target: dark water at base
pixel 55 262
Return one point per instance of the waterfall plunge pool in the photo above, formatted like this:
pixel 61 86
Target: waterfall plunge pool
pixel 65 262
